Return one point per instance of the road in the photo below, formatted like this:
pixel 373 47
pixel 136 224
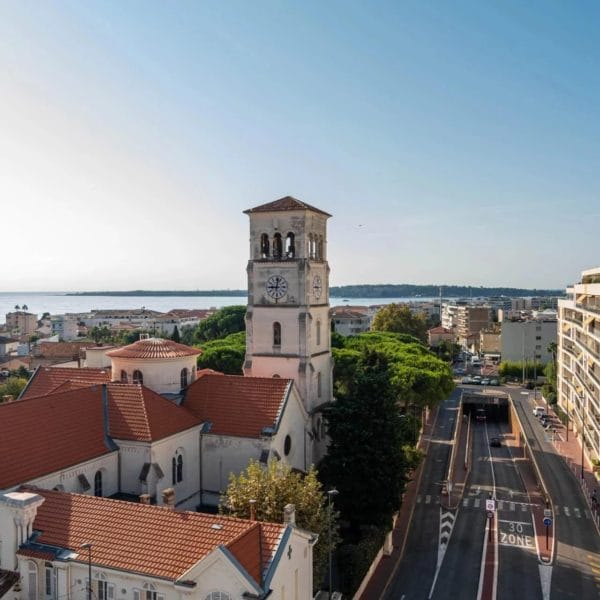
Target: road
pixel 443 553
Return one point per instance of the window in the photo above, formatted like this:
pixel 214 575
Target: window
pixel 318 333
pixel 49 581
pixel 218 596
pixel 287 445
pixel 177 467
pixel 147 593
pixel 138 377
pixel 276 334
pixel 123 376
pixel 31 580
pixel 184 378
pixel 319 384
pixel 104 590
pixel 98 483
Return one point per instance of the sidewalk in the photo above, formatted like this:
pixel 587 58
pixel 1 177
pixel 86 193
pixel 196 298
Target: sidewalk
pixel 571 452
pixel 385 569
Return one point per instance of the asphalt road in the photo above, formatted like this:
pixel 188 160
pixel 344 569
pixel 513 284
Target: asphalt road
pixel 577 541
pixel 425 573
pixel 415 574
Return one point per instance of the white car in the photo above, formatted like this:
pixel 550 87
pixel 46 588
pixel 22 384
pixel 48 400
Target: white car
pixel 4 373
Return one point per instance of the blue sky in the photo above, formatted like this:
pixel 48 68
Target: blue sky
pixel 463 137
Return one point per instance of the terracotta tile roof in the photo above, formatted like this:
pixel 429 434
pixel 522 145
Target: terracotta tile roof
pixel 7 581
pixel 237 405
pixel 440 329
pixel 284 204
pixel 151 540
pixel 43 435
pixel 45 380
pixel 154 348
pixel 138 413
pixel 35 553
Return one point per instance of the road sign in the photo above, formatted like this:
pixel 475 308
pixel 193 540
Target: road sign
pixel 547 512
pixel 547 521
pixel 490 505
pixel 490 514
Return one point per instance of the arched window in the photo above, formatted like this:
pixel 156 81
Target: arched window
pixel 276 334
pixel 264 245
pixel 174 470
pixel 320 248
pixel 98 483
pixel 277 246
pixel 311 246
pixel 319 384
pixel 287 445
pixel 290 246
pixel 138 377
pixel 49 580
pixel 104 590
pixel 123 376
pixel 318 336
pixel 184 378
pixel 179 468
pixel 32 572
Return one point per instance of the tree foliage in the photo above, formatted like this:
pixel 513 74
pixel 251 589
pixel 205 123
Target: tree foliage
pixel 227 320
pixel 226 355
pixel 398 318
pixel 12 387
pixel 417 376
pixel 367 458
pixel 514 369
pixel 273 487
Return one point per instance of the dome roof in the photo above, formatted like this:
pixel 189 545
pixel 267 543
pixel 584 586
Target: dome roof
pixel 154 348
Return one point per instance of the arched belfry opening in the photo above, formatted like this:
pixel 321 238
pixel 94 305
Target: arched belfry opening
pixel 290 245
pixel 277 246
pixel 264 245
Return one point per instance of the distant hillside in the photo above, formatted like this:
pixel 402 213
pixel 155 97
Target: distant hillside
pixel 385 290
pixel 405 290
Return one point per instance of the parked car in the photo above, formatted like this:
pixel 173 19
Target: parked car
pixel 477 379
pixel 495 442
pixel 539 411
pixel 466 380
pixel 494 382
pixel 4 373
pixel 485 381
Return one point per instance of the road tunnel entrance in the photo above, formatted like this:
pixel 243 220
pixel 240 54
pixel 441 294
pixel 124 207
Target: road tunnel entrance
pixel 487 405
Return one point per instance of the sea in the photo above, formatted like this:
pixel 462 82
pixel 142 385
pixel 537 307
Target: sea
pixel 58 303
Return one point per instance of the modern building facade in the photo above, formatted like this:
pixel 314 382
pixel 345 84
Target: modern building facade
pixel 529 338
pixel 578 358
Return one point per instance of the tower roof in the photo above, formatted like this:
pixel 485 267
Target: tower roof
pixel 285 204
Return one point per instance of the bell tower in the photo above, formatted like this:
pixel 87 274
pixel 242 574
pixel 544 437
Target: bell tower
pixel 287 321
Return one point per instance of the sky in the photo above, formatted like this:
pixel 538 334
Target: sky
pixel 453 142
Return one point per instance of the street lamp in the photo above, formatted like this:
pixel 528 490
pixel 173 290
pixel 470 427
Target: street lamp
pixel 330 495
pixel 87 546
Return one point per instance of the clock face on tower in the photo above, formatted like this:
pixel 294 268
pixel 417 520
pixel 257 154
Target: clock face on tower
pixel 276 286
pixel 317 286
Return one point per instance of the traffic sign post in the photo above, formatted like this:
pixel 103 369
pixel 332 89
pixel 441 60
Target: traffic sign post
pixel 547 523
pixel 490 505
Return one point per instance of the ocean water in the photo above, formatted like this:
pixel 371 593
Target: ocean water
pixel 57 303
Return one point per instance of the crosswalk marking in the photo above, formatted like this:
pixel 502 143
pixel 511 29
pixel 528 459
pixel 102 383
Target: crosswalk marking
pixel 466 502
pixel 566 511
pixel 427 499
pixel 477 503
pixel 512 506
pixel 419 498
pixel 577 513
pixel 523 507
pixel 500 504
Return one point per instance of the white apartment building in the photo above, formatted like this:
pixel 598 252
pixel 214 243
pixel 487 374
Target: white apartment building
pixel 578 372
pixel 64 326
pixel 528 338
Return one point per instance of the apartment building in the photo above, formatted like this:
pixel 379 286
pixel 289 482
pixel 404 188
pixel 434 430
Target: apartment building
pixel 529 337
pixel 578 358
pixel 470 320
pixel 21 322
pixel 351 320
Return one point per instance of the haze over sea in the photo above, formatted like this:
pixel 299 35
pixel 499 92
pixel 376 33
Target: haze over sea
pixel 57 303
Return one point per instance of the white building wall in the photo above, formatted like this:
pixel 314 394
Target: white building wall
pixel 529 339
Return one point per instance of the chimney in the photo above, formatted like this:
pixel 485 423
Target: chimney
pixel 145 499
pixel 289 514
pixel 168 498
pixel 253 510
pixel 8 398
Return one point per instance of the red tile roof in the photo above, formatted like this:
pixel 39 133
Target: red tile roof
pixel 154 348
pixel 151 540
pixel 440 329
pixel 43 435
pixel 284 204
pixel 237 405
pixel 138 413
pixel 47 379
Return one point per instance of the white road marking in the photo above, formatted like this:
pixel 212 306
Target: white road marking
pixel 523 507
pixel 500 504
pixel 465 502
pixel 577 513
pixel 477 503
pixel 512 506
pixel 419 498
pixel 427 499
pixel 566 510
pixel 546 579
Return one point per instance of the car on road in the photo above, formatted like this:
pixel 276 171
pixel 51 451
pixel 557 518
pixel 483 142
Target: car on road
pixel 495 442
pixel 480 414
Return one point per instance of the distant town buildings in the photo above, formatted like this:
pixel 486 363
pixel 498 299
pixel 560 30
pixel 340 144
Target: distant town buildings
pixel 351 320
pixel 578 359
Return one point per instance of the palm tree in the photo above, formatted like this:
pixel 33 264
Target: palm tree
pixel 25 307
pixel 17 307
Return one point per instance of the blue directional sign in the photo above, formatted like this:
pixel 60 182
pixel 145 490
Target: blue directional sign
pixel 547 521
